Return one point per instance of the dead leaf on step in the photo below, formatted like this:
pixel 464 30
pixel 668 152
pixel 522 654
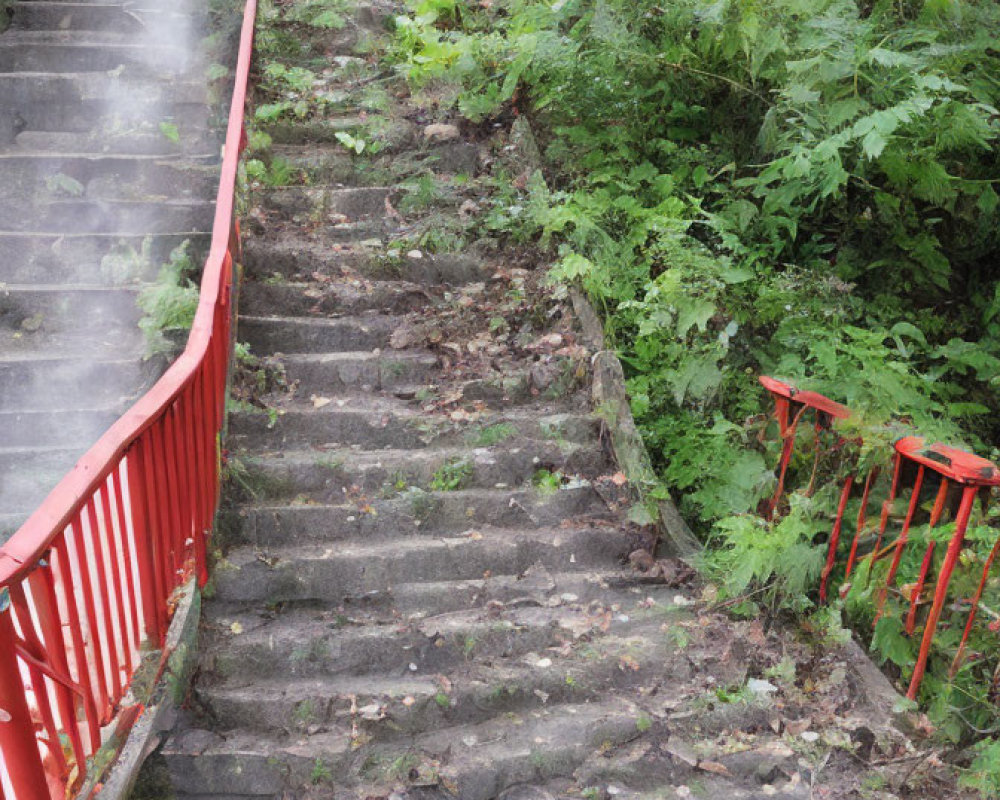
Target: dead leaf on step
pixel 714 767
pixel 392 212
pixel 626 662
pixel 319 402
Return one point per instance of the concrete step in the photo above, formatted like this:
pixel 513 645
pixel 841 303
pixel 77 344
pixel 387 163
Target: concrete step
pixel 339 373
pixel 319 202
pixel 139 19
pixel 28 474
pixel 482 759
pixel 417 511
pixel 68 308
pixel 44 382
pixel 94 258
pixel 328 297
pixel 32 176
pixel 78 102
pixel 299 644
pixel 192 141
pixel 333 573
pixel 275 334
pixel 489 678
pixel 336 231
pixel 109 343
pixel 321 130
pixel 73 16
pixel 378 423
pixel 416 375
pixel 393 135
pixel 118 217
pixel 20 51
pixel 332 164
pixel 22 428
pixel 505 461
pixel 293 256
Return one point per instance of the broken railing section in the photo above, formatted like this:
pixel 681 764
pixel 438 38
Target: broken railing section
pixel 89 580
pixel 950 480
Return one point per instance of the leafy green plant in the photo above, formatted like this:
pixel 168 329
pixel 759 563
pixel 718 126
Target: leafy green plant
pixel 546 482
pixel 328 14
pixel 451 476
pixel 320 773
pixel 490 435
pixel 169 303
pixel 170 132
pixel 277 172
pixel 63 184
pixel 124 264
pixel 356 144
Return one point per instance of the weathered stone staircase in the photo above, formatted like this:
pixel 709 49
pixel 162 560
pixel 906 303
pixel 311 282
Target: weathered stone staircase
pixel 424 590
pixel 87 174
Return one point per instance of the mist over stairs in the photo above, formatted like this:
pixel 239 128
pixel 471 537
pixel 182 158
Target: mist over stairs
pixel 108 164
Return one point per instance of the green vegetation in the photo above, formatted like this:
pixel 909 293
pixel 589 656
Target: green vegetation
pixel 275 172
pixel 451 476
pixel 806 188
pixel 171 302
pixel 490 435
pixel 170 132
pixel 124 264
pixel 321 772
pixel 62 184
pixel 546 482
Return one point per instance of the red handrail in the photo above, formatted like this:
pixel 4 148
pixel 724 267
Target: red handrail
pixel 90 576
pixel 960 478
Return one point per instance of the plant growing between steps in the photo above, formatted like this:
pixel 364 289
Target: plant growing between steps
pixel 451 476
pixel 124 264
pixel 170 303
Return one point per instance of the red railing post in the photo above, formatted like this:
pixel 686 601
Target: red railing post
pixel 142 524
pixel 925 565
pixel 831 553
pixel 18 744
pixel 941 590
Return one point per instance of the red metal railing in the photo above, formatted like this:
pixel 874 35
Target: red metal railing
pixel 88 580
pixel 955 480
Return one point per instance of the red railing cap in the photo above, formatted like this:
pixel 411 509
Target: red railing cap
pixel 955 464
pixel 811 399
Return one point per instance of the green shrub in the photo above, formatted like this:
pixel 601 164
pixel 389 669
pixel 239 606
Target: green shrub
pixel 171 302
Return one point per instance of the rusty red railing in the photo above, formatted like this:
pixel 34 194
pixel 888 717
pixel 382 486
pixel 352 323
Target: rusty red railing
pixel 88 581
pixel 955 479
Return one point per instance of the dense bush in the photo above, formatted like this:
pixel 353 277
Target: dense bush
pixel 805 188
